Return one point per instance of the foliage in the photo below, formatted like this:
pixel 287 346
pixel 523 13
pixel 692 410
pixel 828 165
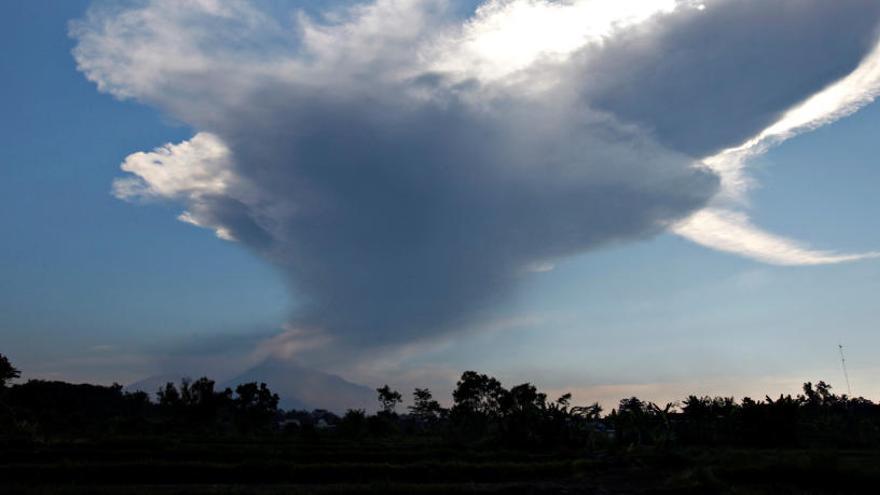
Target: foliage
pixel 389 399
pixel 424 408
pixel 483 412
pixel 7 371
pixel 513 439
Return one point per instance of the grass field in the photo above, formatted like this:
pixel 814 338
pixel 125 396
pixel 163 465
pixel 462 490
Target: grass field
pixel 324 467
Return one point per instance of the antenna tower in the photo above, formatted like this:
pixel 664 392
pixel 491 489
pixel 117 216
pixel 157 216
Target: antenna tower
pixel 845 374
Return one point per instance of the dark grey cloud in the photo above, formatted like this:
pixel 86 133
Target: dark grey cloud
pixel 708 79
pixel 404 200
pixel 407 228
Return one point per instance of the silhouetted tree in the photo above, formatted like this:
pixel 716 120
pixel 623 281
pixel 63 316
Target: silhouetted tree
pixel 484 413
pixel 201 394
pixel 640 423
pixel 424 407
pixel 388 399
pixel 255 406
pixel 196 403
pixel 820 395
pixel 63 407
pixel 525 418
pixel 523 399
pixel 354 423
pixel 478 394
pixel 7 371
pixel 169 396
pixel 564 401
pixel 588 413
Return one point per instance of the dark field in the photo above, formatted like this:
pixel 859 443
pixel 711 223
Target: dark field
pixel 325 465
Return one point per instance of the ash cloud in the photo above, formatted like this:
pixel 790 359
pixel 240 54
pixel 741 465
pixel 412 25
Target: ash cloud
pixel 404 188
pixel 711 79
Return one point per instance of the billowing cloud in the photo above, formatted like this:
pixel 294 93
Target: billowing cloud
pixel 405 167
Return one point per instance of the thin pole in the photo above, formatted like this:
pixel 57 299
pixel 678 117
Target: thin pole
pixel 845 374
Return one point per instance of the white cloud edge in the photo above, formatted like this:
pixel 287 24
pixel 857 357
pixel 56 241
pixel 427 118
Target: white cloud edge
pixel 725 226
pixel 732 232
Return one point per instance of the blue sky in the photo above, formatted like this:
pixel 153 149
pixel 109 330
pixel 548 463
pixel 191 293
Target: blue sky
pixel 80 268
pixel 95 288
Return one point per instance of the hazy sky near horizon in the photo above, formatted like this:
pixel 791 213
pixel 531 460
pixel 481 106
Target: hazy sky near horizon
pixel 399 192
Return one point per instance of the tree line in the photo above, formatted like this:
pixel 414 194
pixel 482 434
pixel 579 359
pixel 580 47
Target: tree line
pixel 482 412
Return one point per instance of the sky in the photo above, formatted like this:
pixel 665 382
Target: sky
pixel 652 198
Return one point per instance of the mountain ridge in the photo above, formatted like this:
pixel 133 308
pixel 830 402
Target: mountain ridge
pixel 298 387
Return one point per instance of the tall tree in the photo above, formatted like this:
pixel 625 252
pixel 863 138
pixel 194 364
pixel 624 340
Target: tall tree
pixel 476 393
pixel 7 371
pixel 255 406
pixel 168 395
pixel 389 399
pixel 424 406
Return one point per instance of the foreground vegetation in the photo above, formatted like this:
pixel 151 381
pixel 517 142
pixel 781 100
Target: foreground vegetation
pixel 59 437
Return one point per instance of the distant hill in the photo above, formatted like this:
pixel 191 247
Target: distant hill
pixel 306 388
pixel 299 387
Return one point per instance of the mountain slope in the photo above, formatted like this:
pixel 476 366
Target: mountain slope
pixel 306 388
pixel 297 386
